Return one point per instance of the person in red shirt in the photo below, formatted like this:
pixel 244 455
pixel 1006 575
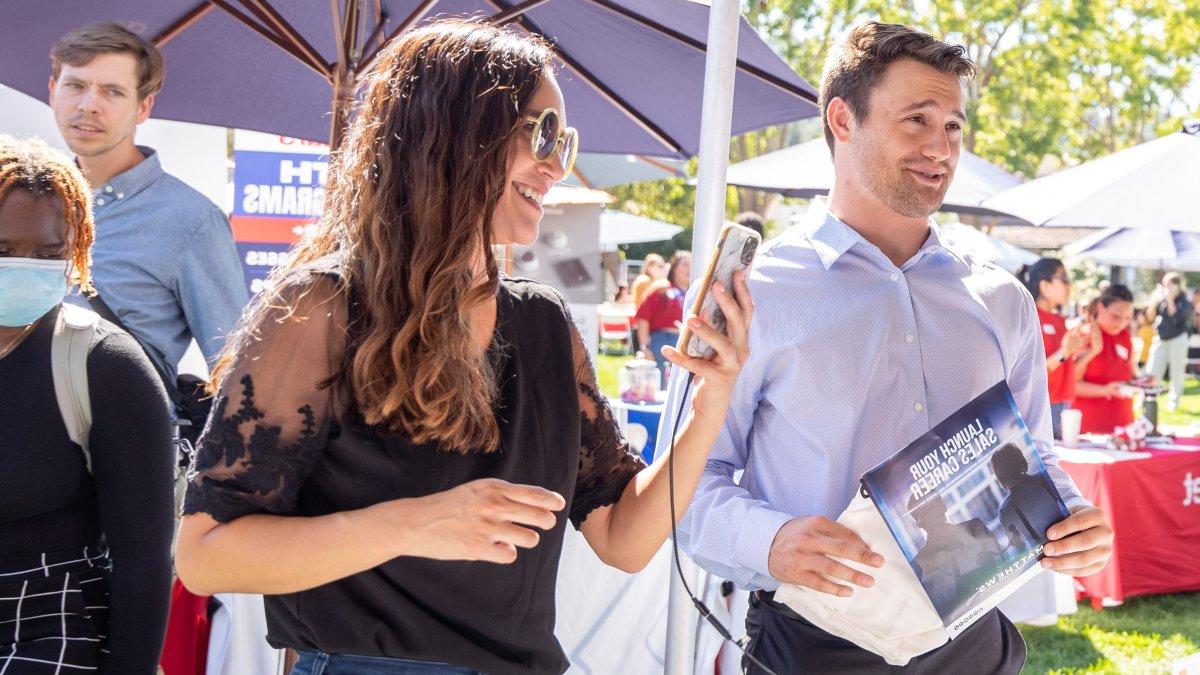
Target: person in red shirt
pixel 1108 363
pixel 1050 285
pixel 661 311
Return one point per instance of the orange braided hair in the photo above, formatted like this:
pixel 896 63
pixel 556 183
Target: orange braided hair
pixel 29 164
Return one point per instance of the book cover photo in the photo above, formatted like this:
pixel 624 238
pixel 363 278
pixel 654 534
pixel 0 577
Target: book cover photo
pixel 969 503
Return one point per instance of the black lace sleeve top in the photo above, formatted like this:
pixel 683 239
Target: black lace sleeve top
pixel 277 443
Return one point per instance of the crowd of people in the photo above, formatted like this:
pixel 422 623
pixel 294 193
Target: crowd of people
pixel 399 434
pixel 1092 363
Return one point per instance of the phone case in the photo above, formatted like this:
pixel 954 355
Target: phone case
pixel 736 246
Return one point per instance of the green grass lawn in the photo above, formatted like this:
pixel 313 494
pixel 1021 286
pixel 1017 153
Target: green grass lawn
pixel 1144 635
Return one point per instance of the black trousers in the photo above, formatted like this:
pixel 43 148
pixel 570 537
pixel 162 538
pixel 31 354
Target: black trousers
pixel 787 643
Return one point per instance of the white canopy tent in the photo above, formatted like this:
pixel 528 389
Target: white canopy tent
pixel 1148 186
pixel 618 227
pixel 967 239
pixel 806 170
pixel 1175 249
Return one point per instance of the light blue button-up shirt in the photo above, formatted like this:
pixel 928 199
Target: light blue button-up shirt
pixel 164 261
pixel 852 358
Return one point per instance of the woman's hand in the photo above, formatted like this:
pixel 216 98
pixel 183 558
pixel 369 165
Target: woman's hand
pixel 486 519
pixel 718 376
pixel 1112 390
pixel 1095 342
pixel 1076 341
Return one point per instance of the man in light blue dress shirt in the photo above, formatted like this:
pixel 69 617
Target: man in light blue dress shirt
pixel 164 259
pixel 868 331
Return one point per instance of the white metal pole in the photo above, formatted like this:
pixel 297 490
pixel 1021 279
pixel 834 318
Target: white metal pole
pixel 715 120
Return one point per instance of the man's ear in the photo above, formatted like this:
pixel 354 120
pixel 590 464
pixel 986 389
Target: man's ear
pixel 840 119
pixel 144 107
pixel 50 85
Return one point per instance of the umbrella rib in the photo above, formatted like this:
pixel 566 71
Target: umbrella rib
pixel 185 22
pixel 408 22
pixel 266 12
pixel 515 11
pixel 742 65
pixel 649 127
pixel 381 18
pixel 253 25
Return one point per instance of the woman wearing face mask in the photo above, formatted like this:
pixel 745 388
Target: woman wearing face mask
pixel 1048 282
pixel 1108 363
pixel 84 550
pixel 400 433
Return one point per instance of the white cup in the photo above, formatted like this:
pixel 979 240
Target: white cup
pixel 1070 420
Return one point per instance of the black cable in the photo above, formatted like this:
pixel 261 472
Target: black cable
pixel 700 606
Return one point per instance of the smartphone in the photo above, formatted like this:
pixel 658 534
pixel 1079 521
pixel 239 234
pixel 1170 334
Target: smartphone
pixel 736 246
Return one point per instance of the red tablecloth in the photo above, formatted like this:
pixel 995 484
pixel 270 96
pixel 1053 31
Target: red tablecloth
pixel 1154 507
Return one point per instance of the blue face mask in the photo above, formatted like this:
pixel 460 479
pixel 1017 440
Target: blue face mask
pixel 29 288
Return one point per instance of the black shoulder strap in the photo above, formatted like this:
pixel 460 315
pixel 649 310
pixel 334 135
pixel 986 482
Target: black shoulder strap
pixel 100 307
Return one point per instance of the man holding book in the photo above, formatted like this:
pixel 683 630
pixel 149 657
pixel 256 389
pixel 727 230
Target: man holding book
pixel 868 332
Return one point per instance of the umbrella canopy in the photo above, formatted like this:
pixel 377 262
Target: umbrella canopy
pixel 618 227
pixel 806 170
pixel 596 170
pixel 1152 185
pixel 632 75
pixel 1140 247
pixel 967 239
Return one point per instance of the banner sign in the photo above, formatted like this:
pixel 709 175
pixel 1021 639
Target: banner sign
pixel 278 192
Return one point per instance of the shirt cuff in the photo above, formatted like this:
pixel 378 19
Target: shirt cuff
pixel 753 546
pixel 1072 502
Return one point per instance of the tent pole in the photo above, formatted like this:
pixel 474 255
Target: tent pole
pixel 716 118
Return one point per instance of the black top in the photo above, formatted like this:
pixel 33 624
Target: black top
pixel 50 502
pixel 277 443
pixel 1174 325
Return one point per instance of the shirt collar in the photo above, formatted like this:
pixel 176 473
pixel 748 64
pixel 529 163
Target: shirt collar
pixel 829 237
pixel 134 180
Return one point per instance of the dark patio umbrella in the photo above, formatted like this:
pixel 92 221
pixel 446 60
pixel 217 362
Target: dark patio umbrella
pixel 633 73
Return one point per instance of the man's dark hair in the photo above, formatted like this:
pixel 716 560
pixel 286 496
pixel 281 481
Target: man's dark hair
pixel 854 68
pixel 751 220
pixel 78 47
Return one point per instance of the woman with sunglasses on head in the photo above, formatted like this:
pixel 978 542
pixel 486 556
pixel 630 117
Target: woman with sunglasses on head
pixel 1050 285
pixel 400 433
pixel 85 508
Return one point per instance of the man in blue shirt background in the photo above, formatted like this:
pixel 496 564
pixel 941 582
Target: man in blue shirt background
pixel 868 332
pixel 164 259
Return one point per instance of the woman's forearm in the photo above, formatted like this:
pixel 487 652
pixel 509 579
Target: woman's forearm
pixel 270 554
pixel 640 521
pixel 1091 390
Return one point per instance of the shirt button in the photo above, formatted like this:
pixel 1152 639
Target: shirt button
pixel 100 201
pixel 895 277
pixel 120 195
pixel 909 338
pixel 918 407
pixel 108 188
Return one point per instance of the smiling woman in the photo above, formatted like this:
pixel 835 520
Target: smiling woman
pixel 400 433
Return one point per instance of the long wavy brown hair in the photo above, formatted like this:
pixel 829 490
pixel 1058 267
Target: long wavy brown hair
pixel 408 209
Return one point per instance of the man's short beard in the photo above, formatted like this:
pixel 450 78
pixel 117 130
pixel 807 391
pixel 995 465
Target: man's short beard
pixel 893 187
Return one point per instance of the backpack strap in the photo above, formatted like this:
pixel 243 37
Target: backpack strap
pixel 73 332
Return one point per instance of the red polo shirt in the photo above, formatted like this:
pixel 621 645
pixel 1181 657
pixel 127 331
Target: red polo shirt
pixel 662 308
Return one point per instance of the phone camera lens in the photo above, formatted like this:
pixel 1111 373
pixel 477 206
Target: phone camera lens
pixel 748 250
